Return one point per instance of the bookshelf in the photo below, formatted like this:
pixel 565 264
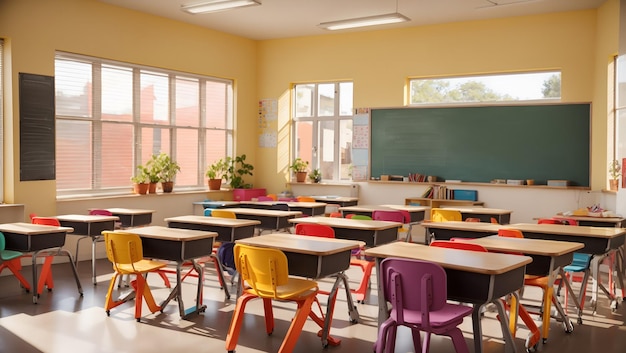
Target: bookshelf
pixel 436 203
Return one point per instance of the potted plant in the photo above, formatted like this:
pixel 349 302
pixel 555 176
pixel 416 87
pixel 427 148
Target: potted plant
pixel 299 167
pixel 151 171
pixel 140 183
pixel 216 172
pixel 615 171
pixel 237 169
pixel 168 169
pixel 315 176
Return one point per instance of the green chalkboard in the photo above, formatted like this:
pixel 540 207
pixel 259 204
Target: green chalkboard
pixel 482 143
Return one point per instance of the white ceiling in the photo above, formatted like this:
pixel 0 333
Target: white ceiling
pixel 295 18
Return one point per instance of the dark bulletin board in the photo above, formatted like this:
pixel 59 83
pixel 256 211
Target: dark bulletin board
pixel 482 143
pixel 37 149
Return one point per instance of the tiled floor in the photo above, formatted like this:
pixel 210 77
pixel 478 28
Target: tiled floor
pixel 63 322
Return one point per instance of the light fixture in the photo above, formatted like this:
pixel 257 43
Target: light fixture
pixel 217 5
pixel 365 21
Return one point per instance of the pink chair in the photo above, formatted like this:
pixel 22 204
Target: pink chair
pixel 395 216
pixel 265 198
pixel 418 293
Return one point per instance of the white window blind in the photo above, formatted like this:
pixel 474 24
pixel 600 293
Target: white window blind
pixel 112 116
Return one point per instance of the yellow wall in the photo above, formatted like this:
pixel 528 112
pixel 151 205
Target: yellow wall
pixel 35 29
pixel 379 63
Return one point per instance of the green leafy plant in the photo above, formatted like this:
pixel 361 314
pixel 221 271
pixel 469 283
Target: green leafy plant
pixel 140 178
pixel 166 167
pixel 237 169
pixel 615 169
pixel 299 165
pixel 315 175
pixel 219 169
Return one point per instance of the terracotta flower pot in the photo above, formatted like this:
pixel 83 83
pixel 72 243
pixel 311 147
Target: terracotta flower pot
pixel 141 189
pixel 152 188
pixel 613 184
pixel 300 177
pixel 215 184
pixel 167 186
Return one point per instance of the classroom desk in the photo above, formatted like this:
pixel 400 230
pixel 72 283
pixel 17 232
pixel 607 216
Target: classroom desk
pixel 307 208
pixel 342 201
pixel 88 226
pixel 371 232
pixel 617 222
pixel 417 213
pixel 458 229
pixel 315 258
pixel 130 217
pixel 227 229
pixel 549 258
pixel 484 214
pixel 178 245
pixel 217 204
pixel 270 219
pixel 473 277
pixel 38 239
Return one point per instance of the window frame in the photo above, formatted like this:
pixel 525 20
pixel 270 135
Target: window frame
pixel 96 122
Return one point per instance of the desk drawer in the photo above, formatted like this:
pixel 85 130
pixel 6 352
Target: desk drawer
pixel 28 243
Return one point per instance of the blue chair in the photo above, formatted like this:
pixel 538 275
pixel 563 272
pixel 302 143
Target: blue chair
pixel 207 212
pixel 11 259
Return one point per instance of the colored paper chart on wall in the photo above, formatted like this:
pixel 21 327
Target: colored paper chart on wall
pixel 268 140
pixel 268 109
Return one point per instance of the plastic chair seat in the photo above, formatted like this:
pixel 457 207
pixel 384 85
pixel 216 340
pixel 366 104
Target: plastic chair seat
pixel 10 259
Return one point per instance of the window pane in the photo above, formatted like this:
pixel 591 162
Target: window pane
pixel 215 145
pixel 117 93
pixel 117 155
pixel 304 100
pixel 154 101
pixel 327 149
pixel 345 98
pixel 326 99
pixel 73 84
pixel 487 88
pixel 154 141
pixel 345 152
pixel 187 102
pixel 216 98
pixel 73 152
pixel 187 156
pixel 304 140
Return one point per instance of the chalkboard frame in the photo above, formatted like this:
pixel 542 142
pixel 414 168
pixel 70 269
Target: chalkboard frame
pixel 479 143
pixel 37 127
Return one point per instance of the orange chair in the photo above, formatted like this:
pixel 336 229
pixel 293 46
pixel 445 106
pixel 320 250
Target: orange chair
pixel 45 278
pixel 265 273
pixel 11 259
pixel 322 230
pixel 125 252
pixel 305 199
pixel 273 197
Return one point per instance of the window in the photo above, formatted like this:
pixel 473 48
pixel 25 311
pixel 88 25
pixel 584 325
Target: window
pixel 323 127
pixel 113 116
pixel 1 123
pixel 487 88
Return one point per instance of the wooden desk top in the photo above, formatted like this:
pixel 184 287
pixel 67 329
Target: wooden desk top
pixel 480 210
pixel 217 203
pixel 32 229
pixel 129 211
pixel 584 231
pixel 463 260
pixel 165 233
pixel 469 226
pixel 302 244
pixel 85 218
pixel 349 223
pixel 371 208
pixel 527 246
pixel 262 212
pixel 592 219
pixel 215 221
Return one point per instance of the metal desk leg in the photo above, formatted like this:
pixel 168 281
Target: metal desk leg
pixel 477 328
pixel 509 343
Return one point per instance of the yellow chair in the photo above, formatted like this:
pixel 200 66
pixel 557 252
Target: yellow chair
pixel 265 272
pixel 223 214
pixel 125 252
pixel 444 215
pixel 305 199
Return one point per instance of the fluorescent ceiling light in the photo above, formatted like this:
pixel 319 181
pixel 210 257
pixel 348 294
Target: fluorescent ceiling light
pixel 365 21
pixel 217 5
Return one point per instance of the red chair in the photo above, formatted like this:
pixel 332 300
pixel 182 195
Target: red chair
pixel 45 278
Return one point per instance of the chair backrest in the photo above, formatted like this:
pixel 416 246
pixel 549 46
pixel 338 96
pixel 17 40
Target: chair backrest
pixel 3 242
pixel 582 260
pixel 263 269
pixel 100 212
pixel 280 207
pixel 48 221
pixel 305 199
pixel 335 215
pixel 444 215
pixel 123 248
pixel 226 255
pixel 548 221
pixel 359 216
pixel 510 233
pixel 317 230
pixel 392 216
pixel 413 285
pixel 223 214
pixel 472 219
pixel 461 245
pixel 273 197
pixel 265 198
pixel 208 212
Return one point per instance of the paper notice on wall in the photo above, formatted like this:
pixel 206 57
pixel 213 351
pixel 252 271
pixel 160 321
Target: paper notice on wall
pixel 268 140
